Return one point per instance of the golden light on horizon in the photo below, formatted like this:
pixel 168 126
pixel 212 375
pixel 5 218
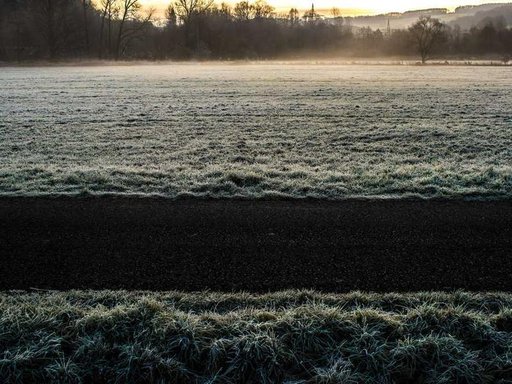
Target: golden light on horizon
pixel 352 7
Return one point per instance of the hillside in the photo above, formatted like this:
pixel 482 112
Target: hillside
pixel 465 16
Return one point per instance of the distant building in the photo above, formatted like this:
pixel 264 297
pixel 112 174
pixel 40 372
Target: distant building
pixel 311 15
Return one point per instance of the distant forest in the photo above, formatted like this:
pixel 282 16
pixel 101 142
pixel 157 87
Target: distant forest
pixel 200 29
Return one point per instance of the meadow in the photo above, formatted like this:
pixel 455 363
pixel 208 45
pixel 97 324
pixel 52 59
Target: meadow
pixel 256 131
pixel 287 337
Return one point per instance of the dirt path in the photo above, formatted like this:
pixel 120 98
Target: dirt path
pixel 257 246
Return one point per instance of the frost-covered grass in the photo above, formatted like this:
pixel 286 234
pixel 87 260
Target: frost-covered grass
pixel 286 337
pixel 257 131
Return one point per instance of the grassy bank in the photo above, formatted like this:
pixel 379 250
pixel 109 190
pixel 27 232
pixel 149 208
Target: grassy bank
pixel 293 337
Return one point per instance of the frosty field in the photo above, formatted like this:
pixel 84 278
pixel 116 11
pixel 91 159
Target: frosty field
pixel 257 131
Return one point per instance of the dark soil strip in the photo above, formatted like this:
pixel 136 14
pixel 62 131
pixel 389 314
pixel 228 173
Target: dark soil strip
pixel 254 245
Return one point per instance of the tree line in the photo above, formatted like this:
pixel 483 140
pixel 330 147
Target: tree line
pixel 201 29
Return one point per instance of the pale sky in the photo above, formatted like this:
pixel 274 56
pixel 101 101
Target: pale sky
pixel 353 6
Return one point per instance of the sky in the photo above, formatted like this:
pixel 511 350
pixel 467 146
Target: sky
pixel 353 7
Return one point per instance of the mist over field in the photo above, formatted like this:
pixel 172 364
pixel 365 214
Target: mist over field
pixel 257 131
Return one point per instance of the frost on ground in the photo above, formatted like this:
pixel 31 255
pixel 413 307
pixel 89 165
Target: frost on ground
pixel 289 337
pixel 257 131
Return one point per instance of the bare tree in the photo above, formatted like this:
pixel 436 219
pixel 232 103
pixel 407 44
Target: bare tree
pixel 50 19
pixel 170 16
pixel 186 9
pixel 189 12
pixel 85 6
pixel 293 16
pixel 225 9
pixel 13 22
pixel 108 11
pixel 3 8
pixel 130 11
pixel 261 9
pixel 336 17
pixel 427 32
pixel 258 10
pixel 242 10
